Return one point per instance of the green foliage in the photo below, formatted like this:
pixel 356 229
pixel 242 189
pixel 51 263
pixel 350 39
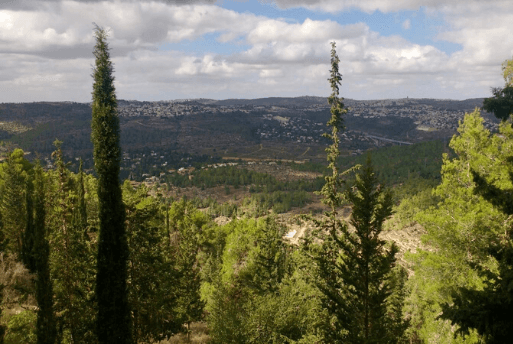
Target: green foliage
pixel 487 308
pixel 310 166
pixel 152 289
pixel 395 319
pixel 365 263
pixel 28 237
pixel 254 288
pixel 21 328
pixel 417 196
pixel 459 229
pixel 231 175
pixel 277 201
pixel 113 321
pixel 186 227
pixel 399 164
pixel 45 325
pixel 507 72
pixel 501 104
pixel 72 256
pixel 354 267
pixel 270 258
pixel 15 176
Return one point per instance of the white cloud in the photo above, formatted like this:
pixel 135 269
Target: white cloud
pixel 385 6
pixel 37 4
pixel 406 24
pixel 47 53
pixel 67 32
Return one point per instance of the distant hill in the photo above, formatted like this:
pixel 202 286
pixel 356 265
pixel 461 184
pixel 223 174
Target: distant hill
pixel 448 104
pixel 275 101
pixel 229 127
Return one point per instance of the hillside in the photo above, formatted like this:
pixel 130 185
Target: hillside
pixel 167 133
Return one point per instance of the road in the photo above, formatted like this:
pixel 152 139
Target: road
pixel 389 140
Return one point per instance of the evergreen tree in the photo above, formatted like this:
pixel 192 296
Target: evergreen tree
pixel 366 264
pixel 27 252
pixel 45 326
pixel 188 223
pixel 489 309
pixel 13 206
pixel 270 259
pixel 82 209
pixel 354 266
pixel 501 104
pixel 113 322
pixel 459 230
pixel 71 258
pixel 152 288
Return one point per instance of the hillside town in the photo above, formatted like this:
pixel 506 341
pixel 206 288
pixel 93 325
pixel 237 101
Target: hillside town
pixel 427 117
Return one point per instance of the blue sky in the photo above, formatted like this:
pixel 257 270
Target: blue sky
pixel 249 49
pixel 422 29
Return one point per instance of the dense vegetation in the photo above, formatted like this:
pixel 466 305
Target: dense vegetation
pixel 342 284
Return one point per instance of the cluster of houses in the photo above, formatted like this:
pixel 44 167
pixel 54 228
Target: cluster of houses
pixel 425 116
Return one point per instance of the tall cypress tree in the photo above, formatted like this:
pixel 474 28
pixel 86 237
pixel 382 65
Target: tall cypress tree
pixel 113 322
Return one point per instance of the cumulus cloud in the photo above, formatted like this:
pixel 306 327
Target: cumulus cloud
pixel 133 26
pixel 47 53
pixel 406 24
pixel 384 6
pixel 41 5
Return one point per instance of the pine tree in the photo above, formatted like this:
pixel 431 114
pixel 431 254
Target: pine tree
pixel 489 310
pixel 501 104
pixel 113 322
pixel 270 259
pixel 188 223
pixel 13 203
pixel 459 230
pixel 45 326
pixel 153 288
pixel 366 264
pixel 353 266
pixel 71 258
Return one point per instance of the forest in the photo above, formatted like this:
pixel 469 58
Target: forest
pixel 87 259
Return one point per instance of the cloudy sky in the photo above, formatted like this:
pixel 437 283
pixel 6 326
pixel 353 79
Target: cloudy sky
pixel 175 49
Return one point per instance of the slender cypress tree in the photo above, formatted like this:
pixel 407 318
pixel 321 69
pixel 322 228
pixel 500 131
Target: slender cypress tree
pixel 113 322
pixel 45 326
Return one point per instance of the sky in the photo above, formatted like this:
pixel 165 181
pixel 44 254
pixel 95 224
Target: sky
pixel 220 49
